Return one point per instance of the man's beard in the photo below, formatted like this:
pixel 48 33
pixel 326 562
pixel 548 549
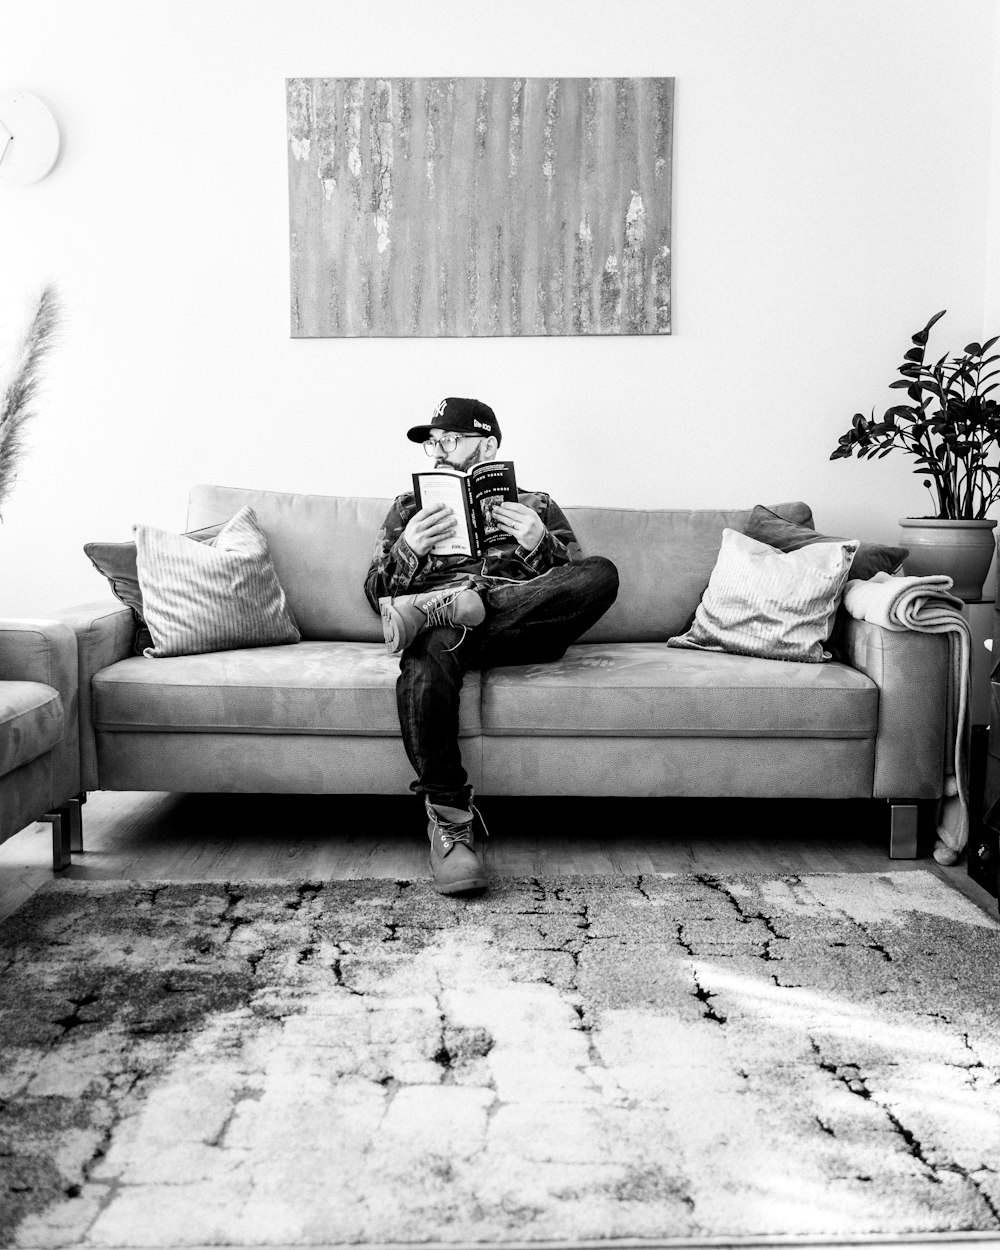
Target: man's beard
pixel 472 459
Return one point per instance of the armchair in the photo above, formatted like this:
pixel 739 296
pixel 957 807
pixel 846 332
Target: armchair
pixel 39 732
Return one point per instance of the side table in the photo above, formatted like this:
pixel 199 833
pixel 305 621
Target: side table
pixel 983 857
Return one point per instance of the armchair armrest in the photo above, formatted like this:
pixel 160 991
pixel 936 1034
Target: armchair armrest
pixel 45 650
pixel 911 672
pixel 103 634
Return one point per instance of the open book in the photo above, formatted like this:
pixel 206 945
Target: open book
pixel 472 497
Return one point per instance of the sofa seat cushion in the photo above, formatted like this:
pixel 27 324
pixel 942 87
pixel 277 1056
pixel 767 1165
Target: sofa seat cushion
pixel 32 721
pixel 648 690
pixel 303 688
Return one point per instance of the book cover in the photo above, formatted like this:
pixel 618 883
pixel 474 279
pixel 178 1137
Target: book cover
pixel 472 497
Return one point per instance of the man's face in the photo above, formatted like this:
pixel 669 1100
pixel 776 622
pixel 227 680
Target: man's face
pixel 469 450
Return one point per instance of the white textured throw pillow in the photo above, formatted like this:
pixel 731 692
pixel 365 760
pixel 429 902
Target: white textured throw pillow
pixel 198 597
pixel 778 605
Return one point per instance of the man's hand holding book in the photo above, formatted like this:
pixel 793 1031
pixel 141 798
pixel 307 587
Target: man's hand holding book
pixel 520 522
pixel 429 526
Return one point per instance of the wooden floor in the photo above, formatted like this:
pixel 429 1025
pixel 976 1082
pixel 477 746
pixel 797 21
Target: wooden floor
pixel 257 837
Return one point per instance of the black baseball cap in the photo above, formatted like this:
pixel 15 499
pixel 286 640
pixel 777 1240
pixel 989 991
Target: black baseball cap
pixel 459 416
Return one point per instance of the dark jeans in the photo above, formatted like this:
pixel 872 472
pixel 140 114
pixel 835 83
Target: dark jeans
pixel 526 623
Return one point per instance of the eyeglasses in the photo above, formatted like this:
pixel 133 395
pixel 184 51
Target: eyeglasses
pixel 447 442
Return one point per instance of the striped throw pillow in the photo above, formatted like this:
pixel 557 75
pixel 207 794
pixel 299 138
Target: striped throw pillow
pixel 778 605
pixel 198 597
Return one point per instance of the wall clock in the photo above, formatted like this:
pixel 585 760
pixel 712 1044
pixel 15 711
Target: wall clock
pixel 29 138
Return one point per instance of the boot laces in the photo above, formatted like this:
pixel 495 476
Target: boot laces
pixel 436 611
pixel 452 833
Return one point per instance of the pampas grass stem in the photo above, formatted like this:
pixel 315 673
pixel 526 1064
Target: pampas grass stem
pixel 20 391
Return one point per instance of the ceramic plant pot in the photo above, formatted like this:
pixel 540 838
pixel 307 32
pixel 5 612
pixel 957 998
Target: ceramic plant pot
pixel 962 549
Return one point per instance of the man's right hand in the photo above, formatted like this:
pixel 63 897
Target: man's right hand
pixel 428 527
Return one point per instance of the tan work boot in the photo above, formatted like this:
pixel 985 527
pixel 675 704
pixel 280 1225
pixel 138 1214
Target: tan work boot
pixel 406 615
pixel 458 857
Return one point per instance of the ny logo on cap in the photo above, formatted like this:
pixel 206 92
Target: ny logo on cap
pixel 439 410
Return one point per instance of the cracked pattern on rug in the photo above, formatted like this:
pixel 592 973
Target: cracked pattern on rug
pixel 565 1058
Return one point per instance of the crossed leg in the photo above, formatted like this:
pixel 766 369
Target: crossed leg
pixel 526 623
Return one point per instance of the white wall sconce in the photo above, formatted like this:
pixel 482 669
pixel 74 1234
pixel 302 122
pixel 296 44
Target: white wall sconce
pixel 29 138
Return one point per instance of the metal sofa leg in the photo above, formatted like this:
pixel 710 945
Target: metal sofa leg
pixel 903 826
pixel 75 808
pixel 60 819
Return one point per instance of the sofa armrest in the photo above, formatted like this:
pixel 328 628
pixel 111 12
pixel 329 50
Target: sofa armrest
pixel 105 633
pixel 45 651
pixel 911 672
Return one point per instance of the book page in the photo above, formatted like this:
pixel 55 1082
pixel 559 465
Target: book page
pixel 447 488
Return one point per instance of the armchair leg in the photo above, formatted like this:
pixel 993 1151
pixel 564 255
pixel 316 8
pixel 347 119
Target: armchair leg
pixel 903 827
pixel 60 820
pixel 74 807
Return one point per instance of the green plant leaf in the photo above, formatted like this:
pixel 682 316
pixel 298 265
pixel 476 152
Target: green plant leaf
pixel 920 338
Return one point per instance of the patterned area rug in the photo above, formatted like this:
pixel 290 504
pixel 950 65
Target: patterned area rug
pixel 565 1059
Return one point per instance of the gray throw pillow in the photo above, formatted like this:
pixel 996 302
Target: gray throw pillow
pixel 199 597
pixel 777 605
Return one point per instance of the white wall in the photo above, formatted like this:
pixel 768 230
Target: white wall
pixel 832 188
pixel 992 294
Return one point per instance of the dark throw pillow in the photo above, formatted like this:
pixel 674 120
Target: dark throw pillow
pixel 116 562
pixel 871 558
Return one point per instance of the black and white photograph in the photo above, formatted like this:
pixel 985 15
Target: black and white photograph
pixel 499 729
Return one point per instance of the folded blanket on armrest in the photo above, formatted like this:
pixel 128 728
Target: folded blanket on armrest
pixel 926 605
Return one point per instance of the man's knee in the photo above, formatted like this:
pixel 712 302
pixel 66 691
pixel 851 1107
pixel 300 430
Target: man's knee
pixel 431 649
pixel 602 577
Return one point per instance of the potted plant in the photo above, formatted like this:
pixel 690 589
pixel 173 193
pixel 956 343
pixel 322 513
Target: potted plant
pixel 952 431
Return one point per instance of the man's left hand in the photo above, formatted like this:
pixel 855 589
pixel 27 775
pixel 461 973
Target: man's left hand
pixel 521 522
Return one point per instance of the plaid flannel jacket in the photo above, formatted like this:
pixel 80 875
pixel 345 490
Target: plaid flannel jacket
pixel 396 570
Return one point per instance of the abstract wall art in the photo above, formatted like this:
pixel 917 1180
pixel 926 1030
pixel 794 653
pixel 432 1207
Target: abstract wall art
pixel 429 207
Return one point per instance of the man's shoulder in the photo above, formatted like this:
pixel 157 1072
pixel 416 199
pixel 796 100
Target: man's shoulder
pixel 534 498
pixel 400 511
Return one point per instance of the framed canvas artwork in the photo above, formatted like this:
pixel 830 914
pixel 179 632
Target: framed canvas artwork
pixel 428 207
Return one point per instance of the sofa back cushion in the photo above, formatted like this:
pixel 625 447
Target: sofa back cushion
pixel 664 557
pixel 321 546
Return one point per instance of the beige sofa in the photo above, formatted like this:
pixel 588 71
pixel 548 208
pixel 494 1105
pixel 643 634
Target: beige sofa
pixel 621 714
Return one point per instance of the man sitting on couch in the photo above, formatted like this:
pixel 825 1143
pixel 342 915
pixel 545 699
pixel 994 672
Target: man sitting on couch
pixel 524 602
